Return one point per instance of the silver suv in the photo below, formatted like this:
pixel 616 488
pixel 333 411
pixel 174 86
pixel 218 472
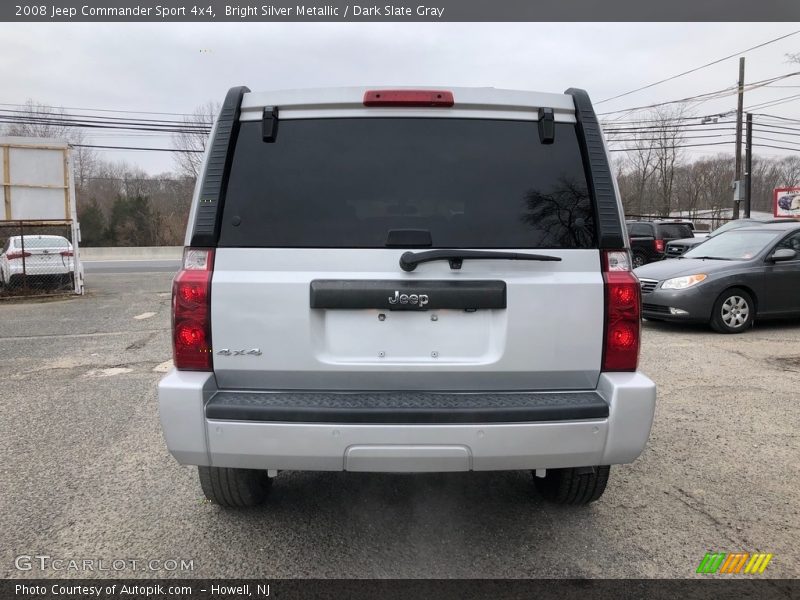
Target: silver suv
pixel 406 281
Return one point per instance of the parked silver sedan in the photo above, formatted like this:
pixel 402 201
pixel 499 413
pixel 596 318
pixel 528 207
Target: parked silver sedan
pixel 729 280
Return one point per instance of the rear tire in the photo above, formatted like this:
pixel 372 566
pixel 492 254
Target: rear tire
pixel 575 487
pixel 733 311
pixel 638 259
pixel 234 488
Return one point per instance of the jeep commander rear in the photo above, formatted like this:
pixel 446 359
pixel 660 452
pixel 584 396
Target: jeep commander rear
pixel 405 281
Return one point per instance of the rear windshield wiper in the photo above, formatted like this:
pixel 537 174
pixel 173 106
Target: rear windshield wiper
pixel 410 260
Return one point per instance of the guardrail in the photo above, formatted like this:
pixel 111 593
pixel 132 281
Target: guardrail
pixel 132 253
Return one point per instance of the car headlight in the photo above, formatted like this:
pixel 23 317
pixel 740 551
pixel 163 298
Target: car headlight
pixel 681 283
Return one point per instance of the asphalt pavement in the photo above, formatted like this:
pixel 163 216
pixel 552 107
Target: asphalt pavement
pixel 85 473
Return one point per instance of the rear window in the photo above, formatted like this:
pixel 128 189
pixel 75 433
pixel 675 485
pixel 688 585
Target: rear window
pixel 345 183
pixel 639 230
pixel 676 230
pixel 35 241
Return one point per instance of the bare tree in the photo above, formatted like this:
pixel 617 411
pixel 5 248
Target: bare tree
pixel 690 182
pixel 636 172
pixel 190 142
pixel 667 138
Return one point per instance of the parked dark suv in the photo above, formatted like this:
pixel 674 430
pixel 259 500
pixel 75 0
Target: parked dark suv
pixel 649 238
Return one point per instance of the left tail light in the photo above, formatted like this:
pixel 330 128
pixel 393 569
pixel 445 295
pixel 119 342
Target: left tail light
pixel 191 311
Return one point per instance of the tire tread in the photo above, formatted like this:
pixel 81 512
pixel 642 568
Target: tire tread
pixel 234 488
pixel 569 487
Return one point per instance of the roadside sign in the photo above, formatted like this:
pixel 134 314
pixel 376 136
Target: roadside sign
pixel 786 202
pixel 37 207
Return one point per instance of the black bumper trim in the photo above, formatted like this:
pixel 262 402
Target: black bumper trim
pixel 406 407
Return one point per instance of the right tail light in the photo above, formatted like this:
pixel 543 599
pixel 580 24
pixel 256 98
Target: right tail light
pixel 622 335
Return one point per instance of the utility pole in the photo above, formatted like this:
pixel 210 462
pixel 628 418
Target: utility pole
pixel 738 177
pixel 748 166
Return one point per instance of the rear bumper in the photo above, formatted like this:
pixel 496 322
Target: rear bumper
pixel 37 270
pixel 194 436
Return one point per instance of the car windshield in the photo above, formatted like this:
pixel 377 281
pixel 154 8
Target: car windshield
pixel 732 225
pixel 734 245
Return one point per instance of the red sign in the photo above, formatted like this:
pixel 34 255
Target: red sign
pixel 786 202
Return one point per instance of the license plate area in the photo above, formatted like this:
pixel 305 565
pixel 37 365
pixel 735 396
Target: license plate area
pixel 376 336
pixel 408 321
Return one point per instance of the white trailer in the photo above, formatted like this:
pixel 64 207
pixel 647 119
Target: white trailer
pixel 39 192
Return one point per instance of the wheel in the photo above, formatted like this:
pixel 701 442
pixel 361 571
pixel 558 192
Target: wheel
pixel 234 488
pixel 733 311
pixel 575 486
pixel 638 260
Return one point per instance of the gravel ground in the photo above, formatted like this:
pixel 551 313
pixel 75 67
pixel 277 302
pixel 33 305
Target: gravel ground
pixel 86 475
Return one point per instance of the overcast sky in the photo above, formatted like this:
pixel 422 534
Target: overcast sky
pixel 176 67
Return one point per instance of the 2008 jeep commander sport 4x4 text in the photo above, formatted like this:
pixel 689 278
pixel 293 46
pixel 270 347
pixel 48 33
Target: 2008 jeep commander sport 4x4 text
pixel 405 281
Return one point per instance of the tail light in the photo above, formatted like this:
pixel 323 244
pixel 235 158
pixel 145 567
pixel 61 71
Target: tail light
pixel 191 312
pixel 623 313
pixel 66 253
pixel 412 98
pixel 659 245
pixel 15 255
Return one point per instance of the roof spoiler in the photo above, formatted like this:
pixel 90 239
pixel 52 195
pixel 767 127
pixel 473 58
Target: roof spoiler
pixel 215 176
pixel 600 179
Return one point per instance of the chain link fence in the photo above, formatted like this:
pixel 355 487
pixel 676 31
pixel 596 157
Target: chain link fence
pixel 38 258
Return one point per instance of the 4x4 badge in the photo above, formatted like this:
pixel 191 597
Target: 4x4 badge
pixel 252 352
pixel 398 298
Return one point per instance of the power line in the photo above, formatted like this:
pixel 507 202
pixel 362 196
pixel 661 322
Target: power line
pixel 775 102
pixel 677 147
pixel 773 127
pixel 137 148
pixel 671 126
pixel 777 117
pixel 134 112
pixel 717 94
pixel 777 147
pixel 769 139
pixel 94 125
pixel 101 118
pixel 700 67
